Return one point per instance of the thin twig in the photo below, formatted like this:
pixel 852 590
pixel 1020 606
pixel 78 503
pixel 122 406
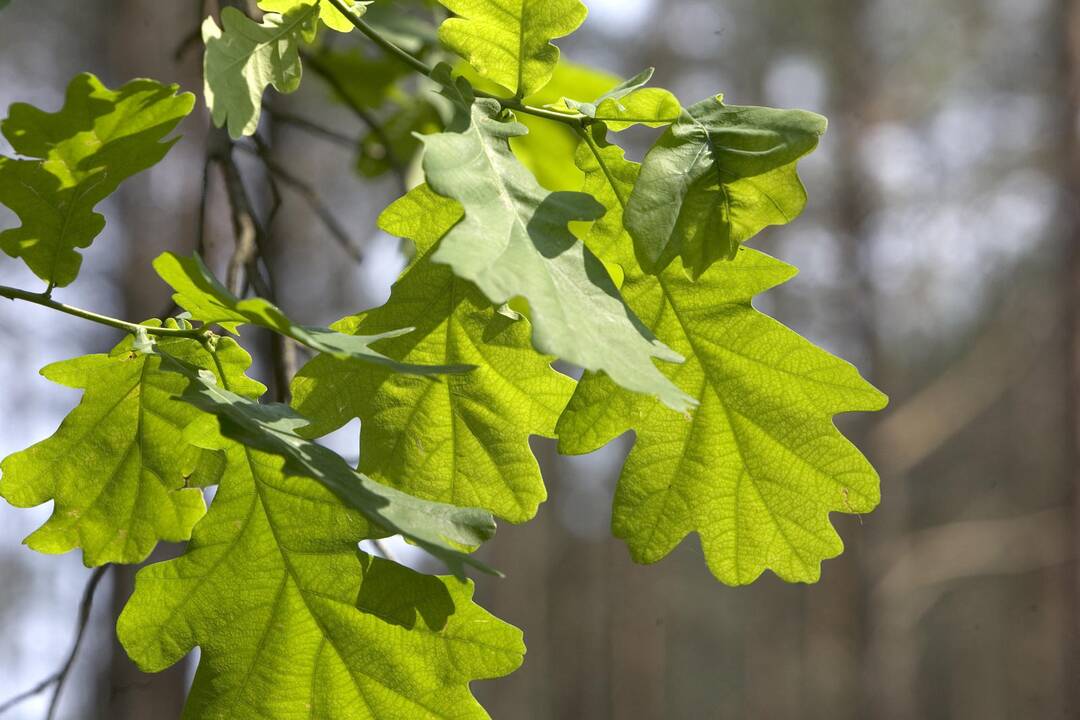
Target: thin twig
pixel 59 678
pixel 301 123
pixel 85 606
pixel 45 301
pixel 315 64
pixel 310 196
pixel 204 198
pixel 246 228
pixel 190 40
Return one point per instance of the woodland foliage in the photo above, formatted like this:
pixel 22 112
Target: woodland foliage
pixel 533 239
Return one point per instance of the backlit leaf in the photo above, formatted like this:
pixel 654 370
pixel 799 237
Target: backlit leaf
pixel 443 530
pixel 514 242
pixel 294 622
pixel 629 103
pixel 73 159
pixel 118 470
pixel 462 439
pixel 208 301
pixel 509 41
pixel 327 12
pixel 759 465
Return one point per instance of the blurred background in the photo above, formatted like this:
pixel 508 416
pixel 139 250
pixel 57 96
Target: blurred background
pixel 938 253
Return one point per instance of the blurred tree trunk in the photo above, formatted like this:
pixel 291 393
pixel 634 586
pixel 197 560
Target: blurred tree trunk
pixel 1070 175
pixel 839 618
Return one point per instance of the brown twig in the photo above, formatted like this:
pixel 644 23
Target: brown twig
pixel 319 68
pixel 310 196
pixel 59 678
pixel 301 123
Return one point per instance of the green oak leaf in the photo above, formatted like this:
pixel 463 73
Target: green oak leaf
pixel 243 57
pixel 509 41
pixel 327 12
pixel 208 301
pixel 73 159
pixel 443 530
pixel 295 622
pixel 514 242
pixel 463 439
pixel 758 467
pixel 716 178
pixel 627 104
pixel 119 474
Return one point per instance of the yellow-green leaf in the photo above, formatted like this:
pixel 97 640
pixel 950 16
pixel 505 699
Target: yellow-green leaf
pixel 294 622
pixel 73 159
pixel 509 41
pixel 119 472
pixel 463 439
pixel 756 469
pixel 327 12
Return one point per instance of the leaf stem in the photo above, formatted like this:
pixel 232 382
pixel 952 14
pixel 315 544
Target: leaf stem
pixel 45 301
pixel 595 149
pixel 424 69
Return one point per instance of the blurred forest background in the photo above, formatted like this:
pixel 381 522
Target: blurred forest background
pixel 938 253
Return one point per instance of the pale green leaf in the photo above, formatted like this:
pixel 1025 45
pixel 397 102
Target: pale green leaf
pixel 208 301
pixel 443 530
pixel 514 242
pixel 118 471
pixel 509 41
pixel 327 12
pixel 759 465
pixel 463 439
pixel 244 57
pixel 73 159
pixel 294 622
pixel 716 178
pixel 627 104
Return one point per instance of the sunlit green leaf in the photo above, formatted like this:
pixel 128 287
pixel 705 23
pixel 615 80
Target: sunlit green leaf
pixel 208 301
pixel 118 470
pixel 509 41
pixel 244 57
pixel 73 159
pixel 443 530
pixel 513 242
pixel 629 103
pixel 294 622
pixel 327 12
pixel 758 466
pixel 716 178
pixel 462 439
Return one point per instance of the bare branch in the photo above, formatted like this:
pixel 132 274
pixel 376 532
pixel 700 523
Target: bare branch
pixel 376 128
pixel 59 678
pixel 310 196
pixel 301 123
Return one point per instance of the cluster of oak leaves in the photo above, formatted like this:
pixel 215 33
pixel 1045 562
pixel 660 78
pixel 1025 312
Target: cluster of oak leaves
pixel 534 239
